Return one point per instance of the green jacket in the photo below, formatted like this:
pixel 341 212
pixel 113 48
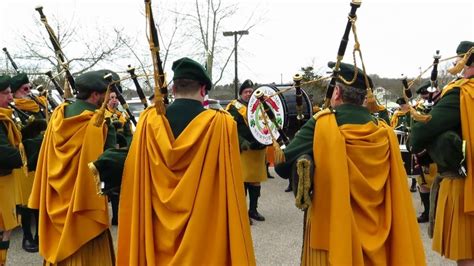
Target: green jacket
pixel 303 141
pixel 445 116
pixel 9 155
pixel 181 112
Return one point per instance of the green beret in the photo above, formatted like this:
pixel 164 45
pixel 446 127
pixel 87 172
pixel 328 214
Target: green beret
pixel 4 82
pixel 186 68
pixel 446 151
pixel 463 48
pixel 115 77
pixel 247 84
pixel 401 101
pixel 17 81
pixel 347 72
pixel 94 81
pixel 423 88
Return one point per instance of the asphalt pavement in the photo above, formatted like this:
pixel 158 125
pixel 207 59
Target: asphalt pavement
pixel 277 241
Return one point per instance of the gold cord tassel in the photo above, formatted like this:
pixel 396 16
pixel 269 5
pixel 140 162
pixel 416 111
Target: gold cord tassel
pixel 100 114
pixel 24 159
pixel 461 63
pixel 303 199
pixel 371 102
pixel 67 89
pixel 95 173
pixel 278 152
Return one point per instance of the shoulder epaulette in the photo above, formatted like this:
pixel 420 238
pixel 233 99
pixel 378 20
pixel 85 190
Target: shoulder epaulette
pixel 237 104
pixel 323 112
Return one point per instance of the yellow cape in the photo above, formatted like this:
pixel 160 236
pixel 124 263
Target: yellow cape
pixel 182 201
pixel 70 211
pixel 362 212
pixel 467 118
pixel 14 136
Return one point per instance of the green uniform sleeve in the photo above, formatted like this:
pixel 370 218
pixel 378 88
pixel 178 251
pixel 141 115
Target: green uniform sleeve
pixel 245 136
pixel 445 116
pixel 110 167
pixel 301 144
pixel 111 140
pixel 9 156
pixel 384 115
pixel 32 149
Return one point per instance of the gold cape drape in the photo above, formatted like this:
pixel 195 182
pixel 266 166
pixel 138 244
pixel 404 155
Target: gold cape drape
pixel 362 211
pixel 70 211
pixel 29 105
pixel 467 122
pixel 15 139
pixel 182 200
pixel 396 116
pixel 8 218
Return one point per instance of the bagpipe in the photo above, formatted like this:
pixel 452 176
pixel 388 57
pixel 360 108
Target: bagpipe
pixel 29 126
pixel 69 85
pixel 160 88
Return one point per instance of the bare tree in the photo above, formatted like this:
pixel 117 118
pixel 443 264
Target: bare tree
pixel 84 52
pixel 206 23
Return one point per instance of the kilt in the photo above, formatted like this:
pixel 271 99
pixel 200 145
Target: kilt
pixel 253 165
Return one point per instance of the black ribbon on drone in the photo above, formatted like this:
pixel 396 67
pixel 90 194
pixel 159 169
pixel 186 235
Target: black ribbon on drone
pixel 59 55
pixel 140 92
pixel 161 89
pixel 299 99
pixel 433 79
pixel 341 51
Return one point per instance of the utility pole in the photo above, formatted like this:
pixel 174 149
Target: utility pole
pixel 235 34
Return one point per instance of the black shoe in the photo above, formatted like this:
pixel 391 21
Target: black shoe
pixel 423 218
pixel 256 216
pixel 288 188
pixel 413 189
pixel 250 221
pixel 29 245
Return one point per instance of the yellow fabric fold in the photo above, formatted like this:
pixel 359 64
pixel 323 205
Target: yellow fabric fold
pixel 182 201
pixel 396 116
pixel 467 122
pixel 26 104
pixel 70 211
pixel 368 190
pixel 14 136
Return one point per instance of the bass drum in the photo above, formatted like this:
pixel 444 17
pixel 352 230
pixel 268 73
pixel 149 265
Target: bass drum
pixel 261 127
pixel 293 125
pixel 283 106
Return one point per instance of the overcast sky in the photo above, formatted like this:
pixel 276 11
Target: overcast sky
pixel 396 36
